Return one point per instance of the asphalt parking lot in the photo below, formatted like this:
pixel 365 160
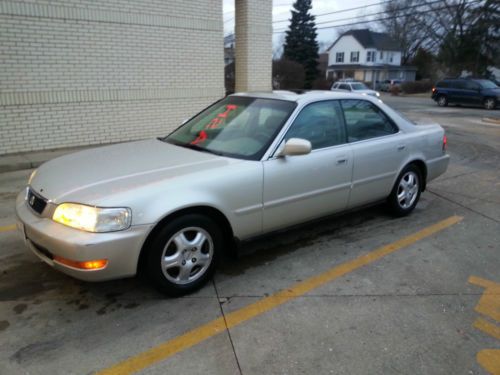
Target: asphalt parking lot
pixel 360 293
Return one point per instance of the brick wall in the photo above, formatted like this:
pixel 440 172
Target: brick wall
pixel 77 72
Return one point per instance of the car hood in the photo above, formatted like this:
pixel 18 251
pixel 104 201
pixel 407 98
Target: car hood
pixel 117 168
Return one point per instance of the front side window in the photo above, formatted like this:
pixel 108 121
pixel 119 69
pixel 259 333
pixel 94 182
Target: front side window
pixel 320 123
pixel 339 57
pixel 355 56
pixel 471 85
pixel 365 120
pixel 239 127
pixel 486 84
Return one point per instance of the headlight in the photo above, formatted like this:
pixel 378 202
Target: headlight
pixel 377 94
pixel 92 219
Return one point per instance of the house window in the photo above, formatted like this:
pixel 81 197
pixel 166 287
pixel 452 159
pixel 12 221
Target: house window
pixel 370 56
pixel 339 57
pixel 391 57
pixel 355 56
pixel 381 55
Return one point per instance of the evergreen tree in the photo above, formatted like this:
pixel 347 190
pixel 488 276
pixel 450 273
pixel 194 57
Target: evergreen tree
pixel 300 43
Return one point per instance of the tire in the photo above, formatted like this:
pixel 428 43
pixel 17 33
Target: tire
pixel 442 101
pixel 406 191
pixel 489 103
pixel 184 254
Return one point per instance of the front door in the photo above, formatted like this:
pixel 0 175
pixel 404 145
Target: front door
pixel 304 187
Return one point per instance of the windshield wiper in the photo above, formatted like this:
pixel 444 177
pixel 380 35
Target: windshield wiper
pixel 198 148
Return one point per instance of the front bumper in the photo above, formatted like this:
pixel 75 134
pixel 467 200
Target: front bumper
pixel 48 239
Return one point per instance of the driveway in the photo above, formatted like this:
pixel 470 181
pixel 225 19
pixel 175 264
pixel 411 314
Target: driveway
pixel 360 293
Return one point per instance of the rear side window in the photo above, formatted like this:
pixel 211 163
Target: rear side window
pixel 471 85
pixel 344 87
pixel 365 120
pixel 320 123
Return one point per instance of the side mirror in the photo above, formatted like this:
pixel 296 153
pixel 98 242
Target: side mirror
pixel 294 147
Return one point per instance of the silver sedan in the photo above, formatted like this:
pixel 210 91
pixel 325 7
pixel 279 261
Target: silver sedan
pixel 247 165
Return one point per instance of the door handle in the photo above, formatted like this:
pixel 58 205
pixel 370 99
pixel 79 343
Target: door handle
pixel 401 147
pixel 341 161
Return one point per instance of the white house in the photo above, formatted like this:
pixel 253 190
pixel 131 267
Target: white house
pixel 367 56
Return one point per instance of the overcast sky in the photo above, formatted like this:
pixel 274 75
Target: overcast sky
pixel 281 11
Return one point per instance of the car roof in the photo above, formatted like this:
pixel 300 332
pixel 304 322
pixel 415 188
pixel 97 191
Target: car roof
pixel 305 96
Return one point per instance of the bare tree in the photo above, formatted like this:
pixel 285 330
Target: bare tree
pixel 404 24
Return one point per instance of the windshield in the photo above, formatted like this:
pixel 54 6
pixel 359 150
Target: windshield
pixel 237 126
pixel 485 84
pixel 359 86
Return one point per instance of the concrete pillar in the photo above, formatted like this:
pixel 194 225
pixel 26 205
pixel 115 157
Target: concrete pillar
pixel 253 29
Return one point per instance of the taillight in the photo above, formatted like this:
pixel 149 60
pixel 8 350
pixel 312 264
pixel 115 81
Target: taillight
pixel 445 142
pixel 433 89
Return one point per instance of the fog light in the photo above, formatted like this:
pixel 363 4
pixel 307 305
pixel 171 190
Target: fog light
pixel 85 265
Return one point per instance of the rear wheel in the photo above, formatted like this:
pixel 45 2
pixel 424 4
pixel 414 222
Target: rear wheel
pixel 489 103
pixel 442 101
pixel 184 254
pixel 406 192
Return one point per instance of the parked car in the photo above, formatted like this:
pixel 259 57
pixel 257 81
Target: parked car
pixel 247 165
pixel 355 87
pixel 387 84
pixel 480 92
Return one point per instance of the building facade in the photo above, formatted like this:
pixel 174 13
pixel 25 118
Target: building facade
pixel 367 56
pixel 85 72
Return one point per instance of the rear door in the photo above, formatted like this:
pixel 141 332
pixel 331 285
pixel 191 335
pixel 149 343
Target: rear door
pixel 378 150
pixel 299 188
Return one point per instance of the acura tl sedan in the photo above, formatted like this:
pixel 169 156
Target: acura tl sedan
pixel 247 165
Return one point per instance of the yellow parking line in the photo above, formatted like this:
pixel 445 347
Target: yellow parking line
pixel 7 228
pixel 487 327
pixel 197 335
pixel 489 359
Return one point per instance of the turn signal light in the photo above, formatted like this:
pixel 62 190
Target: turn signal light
pixel 445 142
pixel 86 265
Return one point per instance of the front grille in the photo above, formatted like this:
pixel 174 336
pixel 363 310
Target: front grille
pixel 36 202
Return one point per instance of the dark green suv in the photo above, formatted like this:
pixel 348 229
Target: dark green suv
pixel 481 92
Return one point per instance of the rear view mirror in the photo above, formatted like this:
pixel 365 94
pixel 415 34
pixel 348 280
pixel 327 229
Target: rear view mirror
pixel 295 146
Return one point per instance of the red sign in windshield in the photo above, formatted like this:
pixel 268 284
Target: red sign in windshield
pixel 216 122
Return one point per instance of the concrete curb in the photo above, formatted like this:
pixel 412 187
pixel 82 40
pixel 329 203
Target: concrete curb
pixel 491 120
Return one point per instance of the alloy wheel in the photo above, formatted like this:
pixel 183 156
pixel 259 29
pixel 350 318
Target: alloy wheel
pixel 489 103
pixel 407 190
pixel 187 255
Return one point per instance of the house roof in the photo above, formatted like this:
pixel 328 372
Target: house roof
pixel 371 39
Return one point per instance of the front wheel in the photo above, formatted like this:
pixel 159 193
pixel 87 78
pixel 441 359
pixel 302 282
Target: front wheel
pixel 184 254
pixel 406 192
pixel 489 103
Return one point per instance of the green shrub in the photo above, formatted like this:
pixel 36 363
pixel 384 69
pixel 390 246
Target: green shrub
pixel 415 87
